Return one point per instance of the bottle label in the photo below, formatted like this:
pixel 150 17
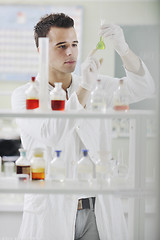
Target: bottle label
pixel 23 170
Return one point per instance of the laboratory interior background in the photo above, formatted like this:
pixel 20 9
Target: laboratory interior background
pixel 19 61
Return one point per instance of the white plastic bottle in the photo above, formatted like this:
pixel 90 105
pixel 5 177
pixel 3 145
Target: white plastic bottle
pixel 85 167
pixel 32 95
pixel 98 98
pixel 22 163
pixel 120 97
pixel 58 97
pixel 58 168
pixel 38 165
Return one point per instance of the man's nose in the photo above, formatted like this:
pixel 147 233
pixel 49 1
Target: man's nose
pixel 69 51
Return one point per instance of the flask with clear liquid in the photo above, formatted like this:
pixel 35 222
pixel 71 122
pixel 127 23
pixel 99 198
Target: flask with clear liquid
pixel 22 163
pixel 58 168
pixel 121 97
pixel 98 98
pixel 85 167
pixel 38 165
pixel 58 97
pixel 32 95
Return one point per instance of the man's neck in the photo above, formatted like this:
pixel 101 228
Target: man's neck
pixel 65 78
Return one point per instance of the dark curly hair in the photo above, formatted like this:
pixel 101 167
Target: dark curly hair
pixel 60 20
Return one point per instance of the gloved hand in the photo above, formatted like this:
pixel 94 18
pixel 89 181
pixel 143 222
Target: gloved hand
pixel 89 71
pixel 115 34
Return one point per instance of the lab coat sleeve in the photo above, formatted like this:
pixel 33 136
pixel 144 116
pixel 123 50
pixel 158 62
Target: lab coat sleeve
pixel 49 131
pixel 140 87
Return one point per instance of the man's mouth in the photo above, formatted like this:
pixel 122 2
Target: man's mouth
pixel 70 62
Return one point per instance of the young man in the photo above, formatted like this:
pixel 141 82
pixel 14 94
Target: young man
pixel 48 217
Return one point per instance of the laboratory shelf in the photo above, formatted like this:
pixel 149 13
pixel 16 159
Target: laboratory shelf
pixel 136 114
pixel 120 187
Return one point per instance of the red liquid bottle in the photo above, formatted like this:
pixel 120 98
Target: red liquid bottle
pixel 32 95
pixel 120 97
pixel 57 97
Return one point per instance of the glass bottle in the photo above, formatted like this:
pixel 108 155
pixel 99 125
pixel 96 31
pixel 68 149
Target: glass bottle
pixel 32 95
pixel 22 163
pixel 85 168
pixel 120 97
pixel 58 97
pixel 57 168
pixel 38 165
pixel 98 99
pixel 103 166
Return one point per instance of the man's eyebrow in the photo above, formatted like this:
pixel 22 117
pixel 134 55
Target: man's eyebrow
pixel 60 43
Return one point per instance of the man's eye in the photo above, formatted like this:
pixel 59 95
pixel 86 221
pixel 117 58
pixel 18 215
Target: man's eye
pixel 74 45
pixel 62 46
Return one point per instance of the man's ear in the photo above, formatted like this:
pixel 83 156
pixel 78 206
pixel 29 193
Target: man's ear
pixel 38 49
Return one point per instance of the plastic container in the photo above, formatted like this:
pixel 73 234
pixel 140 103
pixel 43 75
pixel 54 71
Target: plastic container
pixel 38 165
pixel 57 168
pixel 121 97
pixel 32 95
pixel 22 163
pixel 85 167
pixel 58 97
pixel 98 99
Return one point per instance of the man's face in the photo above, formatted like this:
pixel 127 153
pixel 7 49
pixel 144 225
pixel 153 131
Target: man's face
pixel 63 49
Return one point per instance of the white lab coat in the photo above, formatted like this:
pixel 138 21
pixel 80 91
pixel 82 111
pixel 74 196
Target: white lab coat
pixel 52 217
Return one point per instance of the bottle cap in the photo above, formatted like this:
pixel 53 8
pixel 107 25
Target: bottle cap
pixel 85 152
pixel 58 152
pixel 33 79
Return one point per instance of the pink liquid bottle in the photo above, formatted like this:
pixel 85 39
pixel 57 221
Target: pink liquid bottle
pixel 120 97
pixel 58 97
pixel 32 95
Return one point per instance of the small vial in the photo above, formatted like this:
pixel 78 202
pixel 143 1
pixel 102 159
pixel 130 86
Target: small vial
pixel 120 97
pixel 85 168
pixel 37 165
pixel 22 163
pixel 58 97
pixel 98 99
pixel 32 95
pixel 57 167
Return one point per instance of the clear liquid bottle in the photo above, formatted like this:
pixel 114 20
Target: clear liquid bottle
pixel 32 95
pixel 98 98
pixel 58 168
pixel 103 166
pixel 22 163
pixel 58 97
pixel 38 165
pixel 120 97
pixel 85 167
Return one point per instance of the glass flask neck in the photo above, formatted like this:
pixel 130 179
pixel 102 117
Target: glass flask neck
pixel 58 85
pixel 22 152
pixel 38 153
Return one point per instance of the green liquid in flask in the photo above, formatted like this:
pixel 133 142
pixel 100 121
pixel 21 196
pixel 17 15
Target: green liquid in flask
pixel 101 44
